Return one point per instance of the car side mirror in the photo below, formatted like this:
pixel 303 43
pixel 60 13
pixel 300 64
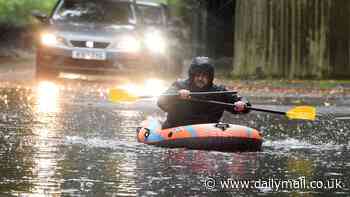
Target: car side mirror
pixel 40 16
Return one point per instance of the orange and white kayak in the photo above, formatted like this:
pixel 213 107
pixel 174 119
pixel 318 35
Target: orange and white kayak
pixel 214 136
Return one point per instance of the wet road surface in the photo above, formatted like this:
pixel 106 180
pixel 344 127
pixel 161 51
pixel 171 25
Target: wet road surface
pixel 66 139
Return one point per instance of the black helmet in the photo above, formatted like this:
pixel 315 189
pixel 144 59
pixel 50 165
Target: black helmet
pixel 201 65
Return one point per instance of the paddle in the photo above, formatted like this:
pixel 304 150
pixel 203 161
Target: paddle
pixel 300 112
pixel 121 95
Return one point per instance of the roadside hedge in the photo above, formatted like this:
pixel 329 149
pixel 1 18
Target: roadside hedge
pixel 18 12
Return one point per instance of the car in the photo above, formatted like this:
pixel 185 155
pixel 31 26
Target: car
pixel 102 36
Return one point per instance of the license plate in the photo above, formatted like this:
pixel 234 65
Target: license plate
pixel 89 55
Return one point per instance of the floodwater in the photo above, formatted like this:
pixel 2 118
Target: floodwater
pixel 67 140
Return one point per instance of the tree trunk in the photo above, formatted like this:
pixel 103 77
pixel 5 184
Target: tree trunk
pixel 292 38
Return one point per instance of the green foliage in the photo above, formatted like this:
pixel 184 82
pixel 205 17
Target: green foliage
pixel 161 1
pixel 179 7
pixel 18 12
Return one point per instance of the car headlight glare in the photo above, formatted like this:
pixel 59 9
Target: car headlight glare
pixel 49 39
pixel 129 44
pixel 155 42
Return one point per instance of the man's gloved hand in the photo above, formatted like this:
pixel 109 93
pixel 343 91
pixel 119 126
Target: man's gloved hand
pixel 184 94
pixel 240 106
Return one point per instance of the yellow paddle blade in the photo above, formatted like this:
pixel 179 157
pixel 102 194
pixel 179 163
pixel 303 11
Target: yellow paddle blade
pixel 302 112
pixel 120 95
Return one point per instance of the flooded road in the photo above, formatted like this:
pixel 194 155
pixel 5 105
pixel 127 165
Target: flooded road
pixel 66 139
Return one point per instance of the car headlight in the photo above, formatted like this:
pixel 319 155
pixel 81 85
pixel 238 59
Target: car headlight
pixel 49 39
pixel 155 42
pixel 129 43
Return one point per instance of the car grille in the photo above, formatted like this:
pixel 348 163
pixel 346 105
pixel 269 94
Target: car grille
pixel 86 63
pixel 82 44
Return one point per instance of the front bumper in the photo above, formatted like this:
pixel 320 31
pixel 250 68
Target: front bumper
pixel 61 59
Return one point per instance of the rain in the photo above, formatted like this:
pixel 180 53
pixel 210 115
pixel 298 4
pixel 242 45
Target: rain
pixel 63 136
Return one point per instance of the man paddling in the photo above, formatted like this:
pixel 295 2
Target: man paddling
pixel 186 110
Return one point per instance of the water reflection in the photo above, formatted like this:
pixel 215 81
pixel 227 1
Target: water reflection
pixel 44 143
pixel 210 163
pixel 47 97
pixel 127 185
pixel 76 148
pixel 45 180
pixel 181 172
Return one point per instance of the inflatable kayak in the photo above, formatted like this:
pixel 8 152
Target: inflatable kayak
pixel 215 136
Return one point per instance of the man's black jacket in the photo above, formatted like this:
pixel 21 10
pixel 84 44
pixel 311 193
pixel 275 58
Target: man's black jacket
pixel 186 112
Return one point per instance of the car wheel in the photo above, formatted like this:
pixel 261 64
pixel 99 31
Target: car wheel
pixel 43 72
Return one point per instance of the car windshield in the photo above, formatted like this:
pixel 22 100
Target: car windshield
pixel 94 11
pixel 152 15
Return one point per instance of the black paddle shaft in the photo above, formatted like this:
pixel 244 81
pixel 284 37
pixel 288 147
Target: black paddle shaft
pixel 202 93
pixel 267 110
pixel 193 94
pixel 232 105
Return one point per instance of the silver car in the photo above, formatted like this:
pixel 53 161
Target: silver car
pixel 98 36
